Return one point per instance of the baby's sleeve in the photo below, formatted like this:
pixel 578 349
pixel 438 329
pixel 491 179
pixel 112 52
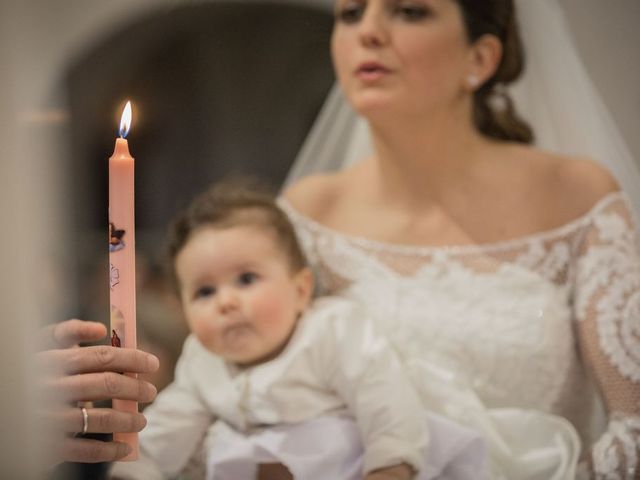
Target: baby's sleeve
pixel 176 424
pixel 366 372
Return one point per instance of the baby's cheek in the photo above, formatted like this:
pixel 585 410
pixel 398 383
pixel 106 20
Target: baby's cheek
pixel 207 336
pixel 271 309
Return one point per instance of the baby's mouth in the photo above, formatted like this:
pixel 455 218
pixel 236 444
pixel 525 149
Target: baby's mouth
pixel 236 332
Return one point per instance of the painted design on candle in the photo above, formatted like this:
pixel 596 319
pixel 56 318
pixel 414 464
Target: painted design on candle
pixel 114 275
pixel 116 235
pixel 115 339
pixel 117 325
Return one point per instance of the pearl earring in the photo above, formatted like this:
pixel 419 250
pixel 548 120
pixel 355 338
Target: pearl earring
pixel 473 81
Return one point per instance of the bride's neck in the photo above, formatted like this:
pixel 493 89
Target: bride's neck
pixel 419 162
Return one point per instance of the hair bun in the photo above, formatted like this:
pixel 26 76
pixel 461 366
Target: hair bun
pixel 494 113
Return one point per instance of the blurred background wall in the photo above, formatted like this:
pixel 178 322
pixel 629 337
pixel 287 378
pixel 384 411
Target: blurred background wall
pixel 216 90
pixel 15 298
pixel 608 38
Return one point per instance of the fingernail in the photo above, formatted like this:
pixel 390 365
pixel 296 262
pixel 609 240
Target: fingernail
pixel 148 393
pixel 142 422
pixel 124 449
pixel 153 362
pixel 154 391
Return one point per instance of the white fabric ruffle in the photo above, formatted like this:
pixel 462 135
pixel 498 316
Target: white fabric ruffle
pixel 330 447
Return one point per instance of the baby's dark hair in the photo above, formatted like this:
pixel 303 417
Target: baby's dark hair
pixel 233 203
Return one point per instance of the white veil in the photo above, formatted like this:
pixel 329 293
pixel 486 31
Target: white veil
pixel 555 95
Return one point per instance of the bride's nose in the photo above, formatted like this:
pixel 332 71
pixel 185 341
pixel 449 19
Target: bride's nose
pixel 373 27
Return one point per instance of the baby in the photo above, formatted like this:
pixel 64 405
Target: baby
pixel 270 380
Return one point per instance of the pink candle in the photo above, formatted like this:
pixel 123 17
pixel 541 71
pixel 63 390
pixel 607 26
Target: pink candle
pixel 122 260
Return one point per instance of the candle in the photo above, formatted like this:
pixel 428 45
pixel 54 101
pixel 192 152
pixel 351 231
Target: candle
pixel 122 259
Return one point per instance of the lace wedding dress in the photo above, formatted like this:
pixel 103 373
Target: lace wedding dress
pixel 513 338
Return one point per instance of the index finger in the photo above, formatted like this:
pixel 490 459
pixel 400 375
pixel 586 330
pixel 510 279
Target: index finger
pixel 69 333
pixel 105 358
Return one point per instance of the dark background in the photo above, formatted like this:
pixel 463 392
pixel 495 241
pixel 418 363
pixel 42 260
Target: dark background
pixel 217 89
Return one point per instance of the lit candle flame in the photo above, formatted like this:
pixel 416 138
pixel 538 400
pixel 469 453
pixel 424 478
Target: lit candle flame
pixel 125 121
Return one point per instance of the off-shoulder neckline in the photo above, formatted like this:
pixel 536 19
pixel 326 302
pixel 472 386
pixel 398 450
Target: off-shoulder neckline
pixel 409 249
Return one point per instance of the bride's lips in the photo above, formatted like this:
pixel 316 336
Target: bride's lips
pixel 371 71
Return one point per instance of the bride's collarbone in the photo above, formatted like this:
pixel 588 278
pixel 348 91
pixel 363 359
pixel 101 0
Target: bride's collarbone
pixel 544 193
pixel 479 222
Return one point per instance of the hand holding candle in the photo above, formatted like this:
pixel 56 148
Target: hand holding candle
pixel 69 374
pixel 122 259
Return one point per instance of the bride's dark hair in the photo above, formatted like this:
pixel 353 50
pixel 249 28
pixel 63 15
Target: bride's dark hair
pixel 493 111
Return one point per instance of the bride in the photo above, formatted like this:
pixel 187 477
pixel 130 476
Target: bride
pixel 507 277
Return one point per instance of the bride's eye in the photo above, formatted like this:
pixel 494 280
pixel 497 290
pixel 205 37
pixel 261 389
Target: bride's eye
pixel 412 12
pixel 350 12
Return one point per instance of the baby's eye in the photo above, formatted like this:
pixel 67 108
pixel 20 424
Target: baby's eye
pixel 412 12
pixel 350 13
pixel 205 291
pixel 247 278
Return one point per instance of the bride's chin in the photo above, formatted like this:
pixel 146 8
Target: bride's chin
pixel 367 107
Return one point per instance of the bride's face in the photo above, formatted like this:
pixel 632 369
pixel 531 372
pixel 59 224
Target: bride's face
pixel 411 55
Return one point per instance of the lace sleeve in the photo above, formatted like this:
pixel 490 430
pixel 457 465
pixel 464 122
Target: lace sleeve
pixel 607 302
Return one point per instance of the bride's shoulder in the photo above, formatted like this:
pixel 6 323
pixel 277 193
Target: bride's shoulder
pixel 317 194
pixel 571 185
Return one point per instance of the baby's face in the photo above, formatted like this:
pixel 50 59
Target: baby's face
pixel 240 298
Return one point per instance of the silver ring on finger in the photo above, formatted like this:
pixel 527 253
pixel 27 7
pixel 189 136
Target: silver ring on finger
pixel 85 420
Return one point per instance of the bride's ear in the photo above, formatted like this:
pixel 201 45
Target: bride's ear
pixel 485 55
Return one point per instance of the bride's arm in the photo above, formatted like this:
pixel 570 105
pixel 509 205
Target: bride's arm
pixel 607 304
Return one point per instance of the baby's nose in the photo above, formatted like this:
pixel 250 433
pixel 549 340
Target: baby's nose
pixel 227 299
